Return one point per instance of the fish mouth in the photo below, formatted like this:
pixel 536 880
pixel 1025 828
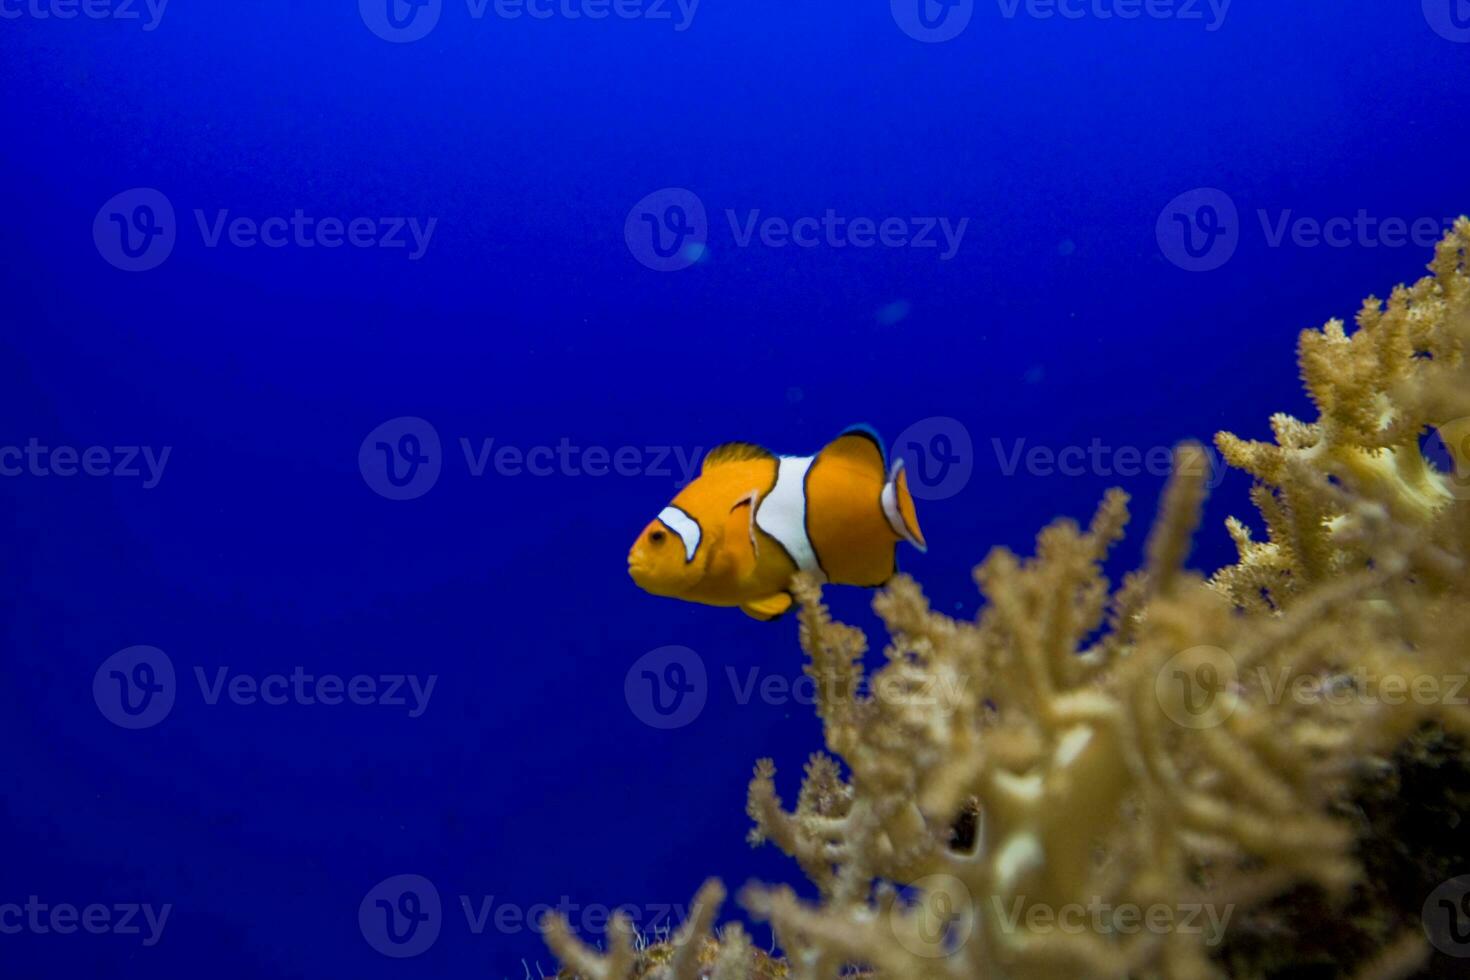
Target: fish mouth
pixel 641 576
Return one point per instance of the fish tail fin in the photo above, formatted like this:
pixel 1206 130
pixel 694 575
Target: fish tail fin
pixel 898 507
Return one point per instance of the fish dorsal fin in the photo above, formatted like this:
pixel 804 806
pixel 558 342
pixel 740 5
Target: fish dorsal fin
pixel 734 452
pixel 860 448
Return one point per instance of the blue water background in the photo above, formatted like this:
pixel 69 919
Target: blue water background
pixel 529 320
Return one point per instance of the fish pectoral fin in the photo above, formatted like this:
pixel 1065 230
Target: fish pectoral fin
pixel 769 608
pixel 753 501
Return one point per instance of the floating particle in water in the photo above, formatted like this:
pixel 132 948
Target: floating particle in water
pixel 893 312
pixel 1034 374
pixel 794 394
pixel 1066 247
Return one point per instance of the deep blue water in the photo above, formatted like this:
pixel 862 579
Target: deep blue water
pixel 260 546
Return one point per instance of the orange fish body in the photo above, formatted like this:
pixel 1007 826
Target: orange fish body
pixel 751 520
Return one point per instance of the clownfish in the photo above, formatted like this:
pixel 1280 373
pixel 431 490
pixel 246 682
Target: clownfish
pixel 739 532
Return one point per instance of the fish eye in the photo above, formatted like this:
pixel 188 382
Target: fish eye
pixel 656 537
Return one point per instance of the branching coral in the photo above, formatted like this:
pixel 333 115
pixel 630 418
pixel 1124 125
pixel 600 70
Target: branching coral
pixel 692 954
pixel 1091 782
pixel 1332 491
